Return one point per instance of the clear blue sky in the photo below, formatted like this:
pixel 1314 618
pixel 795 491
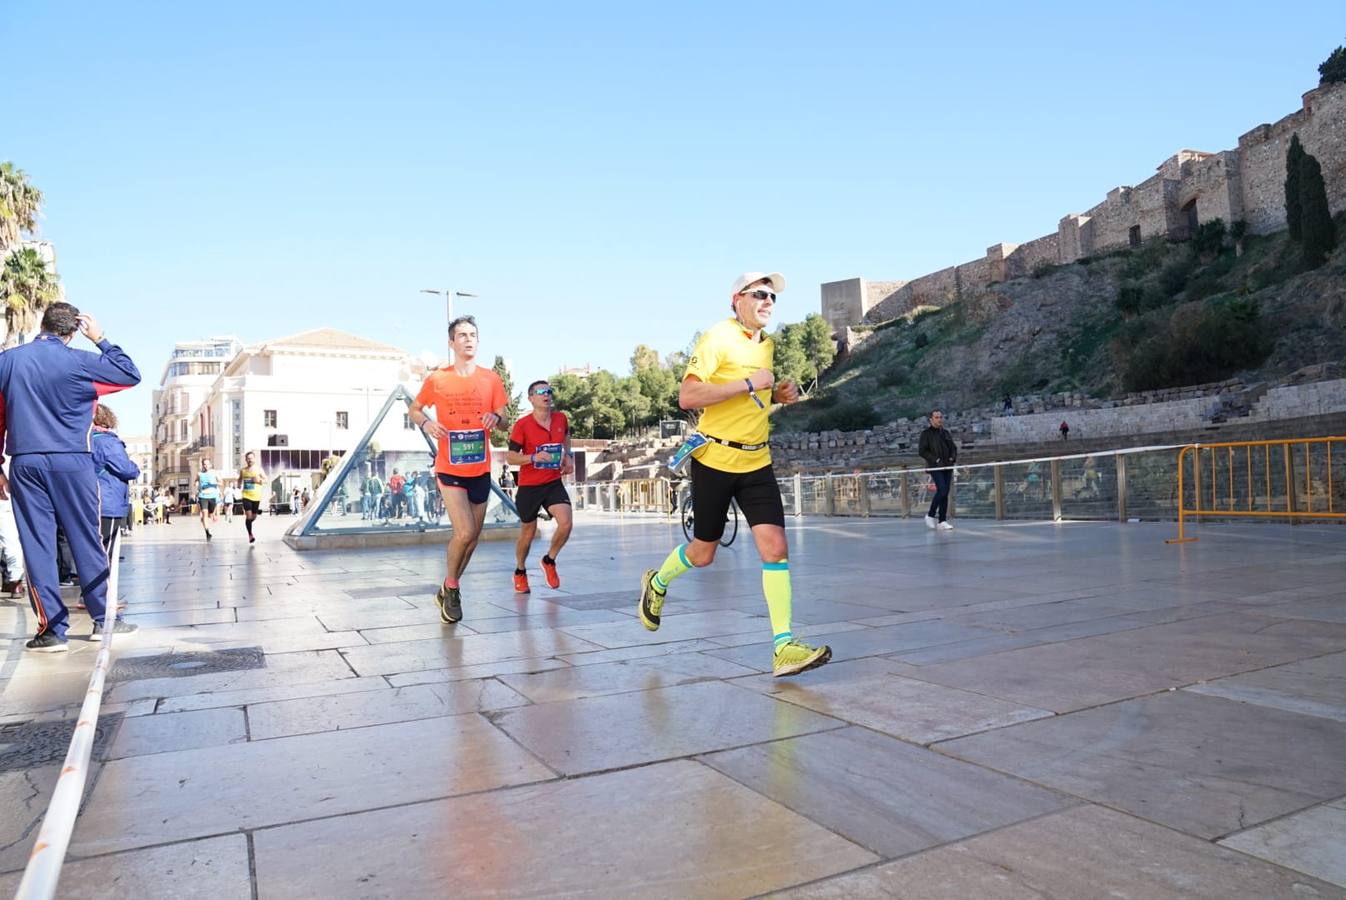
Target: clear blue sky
pixel 598 173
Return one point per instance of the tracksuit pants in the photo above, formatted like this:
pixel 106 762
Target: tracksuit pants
pixel 51 489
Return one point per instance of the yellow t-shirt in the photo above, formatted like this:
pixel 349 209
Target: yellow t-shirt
pixel 726 353
pixel 250 483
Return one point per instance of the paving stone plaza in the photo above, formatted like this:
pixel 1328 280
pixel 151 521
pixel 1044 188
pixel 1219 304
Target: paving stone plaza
pixel 1013 710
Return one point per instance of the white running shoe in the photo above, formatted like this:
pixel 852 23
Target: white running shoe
pixel 929 521
pixel 945 526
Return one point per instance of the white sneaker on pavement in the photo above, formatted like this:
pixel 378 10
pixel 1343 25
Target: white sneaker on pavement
pixel 929 521
pixel 945 526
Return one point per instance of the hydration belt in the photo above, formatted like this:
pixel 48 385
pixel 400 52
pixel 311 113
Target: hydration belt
pixel 735 444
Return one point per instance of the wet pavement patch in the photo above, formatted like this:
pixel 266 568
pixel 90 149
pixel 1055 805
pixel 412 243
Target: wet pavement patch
pixel 31 745
pixel 179 665
pixel 609 600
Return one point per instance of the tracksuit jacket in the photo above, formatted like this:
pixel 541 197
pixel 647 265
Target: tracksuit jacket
pixel 47 396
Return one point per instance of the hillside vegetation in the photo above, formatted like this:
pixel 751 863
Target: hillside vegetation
pixel 1162 315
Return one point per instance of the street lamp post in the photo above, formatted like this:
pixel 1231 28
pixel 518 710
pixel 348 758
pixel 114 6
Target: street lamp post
pixel 448 295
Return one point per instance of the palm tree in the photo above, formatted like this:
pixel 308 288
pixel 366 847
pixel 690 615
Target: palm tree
pixel 19 205
pixel 27 285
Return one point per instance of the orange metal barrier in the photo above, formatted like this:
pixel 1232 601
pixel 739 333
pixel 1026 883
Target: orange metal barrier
pixel 1258 479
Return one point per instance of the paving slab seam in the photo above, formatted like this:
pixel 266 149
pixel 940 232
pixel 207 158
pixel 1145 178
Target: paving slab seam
pixel 885 860
pixel 252 865
pixel 1274 819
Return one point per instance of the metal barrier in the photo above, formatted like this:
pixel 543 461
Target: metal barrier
pixel 43 871
pixel 1132 482
pixel 1258 481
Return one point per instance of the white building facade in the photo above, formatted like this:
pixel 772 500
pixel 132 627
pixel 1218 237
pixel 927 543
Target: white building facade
pixel 297 400
pixel 186 380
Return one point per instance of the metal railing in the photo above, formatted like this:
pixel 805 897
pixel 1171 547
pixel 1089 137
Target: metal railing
pixel 1128 483
pixel 1259 479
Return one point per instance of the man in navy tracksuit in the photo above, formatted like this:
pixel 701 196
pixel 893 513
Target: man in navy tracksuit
pixel 47 396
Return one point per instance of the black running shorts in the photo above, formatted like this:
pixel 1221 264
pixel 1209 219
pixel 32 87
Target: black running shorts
pixel 755 492
pixel 478 487
pixel 251 506
pixel 532 498
pixel 208 505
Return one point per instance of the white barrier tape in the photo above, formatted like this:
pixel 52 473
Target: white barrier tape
pixel 1012 462
pixel 44 864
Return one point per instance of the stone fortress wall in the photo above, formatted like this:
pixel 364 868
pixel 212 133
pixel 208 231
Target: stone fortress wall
pixel 1189 188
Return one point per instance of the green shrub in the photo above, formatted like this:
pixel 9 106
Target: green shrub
pixel 823 400
pixel 851 416
pixel 1130 298
pixel 1173 277
pixel 895 376
pixel 1333 69
pixel 1044 268
pixel 922 340
pixel 1209 237
pixel 1210 280
pixel 1199 344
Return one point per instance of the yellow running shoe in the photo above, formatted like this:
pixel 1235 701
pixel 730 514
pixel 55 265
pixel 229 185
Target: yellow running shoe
pixel 796 657
pixel 651 601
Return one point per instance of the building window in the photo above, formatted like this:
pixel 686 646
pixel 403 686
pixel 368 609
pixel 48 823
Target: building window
pixel 407 423
pixel 343 420
pixel 269 418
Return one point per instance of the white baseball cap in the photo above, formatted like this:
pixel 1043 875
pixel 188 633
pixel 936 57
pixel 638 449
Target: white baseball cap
pixel 777 281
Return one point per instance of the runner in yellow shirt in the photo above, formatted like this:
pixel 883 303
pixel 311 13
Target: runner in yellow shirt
pixel 727 377
pixel 250 480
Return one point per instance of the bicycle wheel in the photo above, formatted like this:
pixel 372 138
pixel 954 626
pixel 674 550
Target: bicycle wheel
pixel 730 525
pixel 688 518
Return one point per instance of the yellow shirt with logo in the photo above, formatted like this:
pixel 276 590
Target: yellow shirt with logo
pixel 726 353
pixel 250 483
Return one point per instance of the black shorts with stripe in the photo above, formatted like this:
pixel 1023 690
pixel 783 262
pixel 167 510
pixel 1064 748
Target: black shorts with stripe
pixel 756 493
pixel 532 498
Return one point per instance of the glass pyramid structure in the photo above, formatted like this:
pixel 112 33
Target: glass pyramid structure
pixel 357 496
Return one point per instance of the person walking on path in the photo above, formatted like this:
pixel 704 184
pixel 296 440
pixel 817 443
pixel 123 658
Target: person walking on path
pixel 730 365
pixel 939 451
pixel 1065 430
pixel 47 396
pixel 469 400
pixel 115 471
pixel 539 444
pixel 250 481
pixel 207 496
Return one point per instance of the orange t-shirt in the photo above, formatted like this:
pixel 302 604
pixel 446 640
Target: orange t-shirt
pixel 460 402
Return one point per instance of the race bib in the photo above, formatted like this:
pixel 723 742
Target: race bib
pixel 467 447
pixel 556 451
pixel 683 457
pixel 249 484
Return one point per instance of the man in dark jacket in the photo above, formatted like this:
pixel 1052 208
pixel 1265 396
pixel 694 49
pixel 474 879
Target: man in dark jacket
pixel 47 396
pixel 938 450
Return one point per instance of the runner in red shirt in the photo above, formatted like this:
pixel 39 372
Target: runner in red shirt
pixel 539 445
pixel 468 401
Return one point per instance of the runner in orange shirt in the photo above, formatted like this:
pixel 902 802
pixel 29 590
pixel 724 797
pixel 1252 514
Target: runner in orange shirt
pixel 468 401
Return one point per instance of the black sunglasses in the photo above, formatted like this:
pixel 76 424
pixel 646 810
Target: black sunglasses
pixel 761 295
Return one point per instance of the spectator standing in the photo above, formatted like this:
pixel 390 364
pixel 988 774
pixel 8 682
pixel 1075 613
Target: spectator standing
pixel 1065 430
pixel 115 471
pixel 940 453
pixel 47 396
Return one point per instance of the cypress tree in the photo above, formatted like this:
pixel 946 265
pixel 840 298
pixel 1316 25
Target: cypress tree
pixel 1320 232
pixel 1333 68
pixel 1294 220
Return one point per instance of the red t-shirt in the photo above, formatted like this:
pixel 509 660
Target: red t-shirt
pixel 460 402
pixel 529 436
pixel 395 483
